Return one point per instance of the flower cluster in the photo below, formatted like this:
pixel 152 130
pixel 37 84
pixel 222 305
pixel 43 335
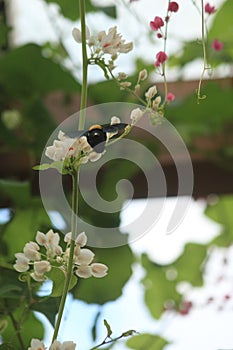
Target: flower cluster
pixel 40 256
pixel 37 344
pixel 102 43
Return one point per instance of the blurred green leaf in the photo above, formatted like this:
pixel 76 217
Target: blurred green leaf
pixel 24 72
pixel 58 278
pixel 146 342
pixel 101 290
pixel 48 307
pixel 221 212
pixel 158 289
pixel 188 265
pixel 70 9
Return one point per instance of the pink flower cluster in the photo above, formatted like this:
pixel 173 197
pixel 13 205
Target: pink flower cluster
pixel 209 9
pixel 156 26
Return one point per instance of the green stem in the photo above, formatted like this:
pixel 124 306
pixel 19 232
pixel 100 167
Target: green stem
pixel 164 64
pixel 199 96
pixel 84 67
pixel 16 326
pixel 70 261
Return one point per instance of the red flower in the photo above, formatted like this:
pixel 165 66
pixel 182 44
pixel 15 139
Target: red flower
pixel 161 57
pixel 185 307
pixel 209 9
pixel 170 97
pixel 173 6
pixel 157 23
pixel 217 45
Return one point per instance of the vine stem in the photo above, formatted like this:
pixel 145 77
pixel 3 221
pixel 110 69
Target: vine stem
pixel 84 66
pixel 199 97
pixel 75 175
pixel 71 255
pixel 17 329
pixel 164 64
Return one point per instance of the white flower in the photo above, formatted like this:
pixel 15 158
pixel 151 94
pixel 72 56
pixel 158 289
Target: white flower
pixel 115 120
pixel 81 240
pixel 38 277
pixel 98 270
pixel 41 238
pixel 125 48
pixel 41 267
pixel 61 148
pixel 36 344
pixel 84 271
pixel 142 75
pixel 125 84
pixel 77 35
pixel 122 75
pixel 84 257
pixel 22 262
pixel 94 156
pixel 31 251
pixel 135 115
pixel 151 92
pixel 67 345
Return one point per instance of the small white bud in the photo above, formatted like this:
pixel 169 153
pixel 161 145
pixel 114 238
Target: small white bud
pixel 142 75
pixel 151 92
pixel 76 33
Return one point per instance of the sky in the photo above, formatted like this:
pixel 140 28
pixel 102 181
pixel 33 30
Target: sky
pixel 206 328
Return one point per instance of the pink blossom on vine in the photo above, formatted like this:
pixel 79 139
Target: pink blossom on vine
pixel 157 23
pixel 209 9
pixel 161 57
pixel 173 6
pixel 170 97
pixel 217 45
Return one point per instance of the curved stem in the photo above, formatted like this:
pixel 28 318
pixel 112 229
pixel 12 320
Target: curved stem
pixel 70 261
pixel 199 97
pixel 164 64
pixel 84 67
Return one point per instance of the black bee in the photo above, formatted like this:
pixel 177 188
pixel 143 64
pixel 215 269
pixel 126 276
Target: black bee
pixel 97 134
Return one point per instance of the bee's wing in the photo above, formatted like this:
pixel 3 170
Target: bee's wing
pixel 115 129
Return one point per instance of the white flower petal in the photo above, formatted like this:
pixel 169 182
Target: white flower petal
pixel 99 270
pixel 84 257
pixel 41 267
pixel 76 33
pixel 84 271
pixel 68 345
pixel 36 344
pixel 115 120
pixel 81 240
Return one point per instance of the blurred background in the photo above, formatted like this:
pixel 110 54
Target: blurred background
pixel 175 290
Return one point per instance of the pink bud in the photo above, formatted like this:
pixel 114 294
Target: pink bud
pixel 209 9
pixel 217 45
pixel 173 6
pixel 170 97
pixel 161 57
pixel 157 23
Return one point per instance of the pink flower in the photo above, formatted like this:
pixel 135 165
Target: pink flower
pixel 217 45
pixel 173 6
pixel 157 23
pixel 209 9
pixel 161 57
pixel 170 97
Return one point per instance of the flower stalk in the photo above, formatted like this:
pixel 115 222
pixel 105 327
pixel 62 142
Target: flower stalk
pixel 71 255
pixel 84 66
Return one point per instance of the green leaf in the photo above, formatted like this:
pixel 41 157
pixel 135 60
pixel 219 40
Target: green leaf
pixel 101 290
pixel 20 78
pixel 222 26
pixel 48 307
pixel 30 328
pixel 221 212
pixel 70 9
pixel 146 342
pixel 108 327
pixel 15 192
pixel 158 289
pixel 188 265
pixel 6 290
pixel 54 165
pixel 58 278
pixel 8 346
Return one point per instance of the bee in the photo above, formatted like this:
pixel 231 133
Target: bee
pixel 97 135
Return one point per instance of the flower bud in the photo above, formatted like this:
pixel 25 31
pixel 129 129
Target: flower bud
pixel 142 75
pixel 151 92
pixel 76 33
pixel 115 120
pixel 81 240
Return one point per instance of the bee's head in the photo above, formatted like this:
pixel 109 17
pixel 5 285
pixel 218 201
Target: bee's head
pixel 96 138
